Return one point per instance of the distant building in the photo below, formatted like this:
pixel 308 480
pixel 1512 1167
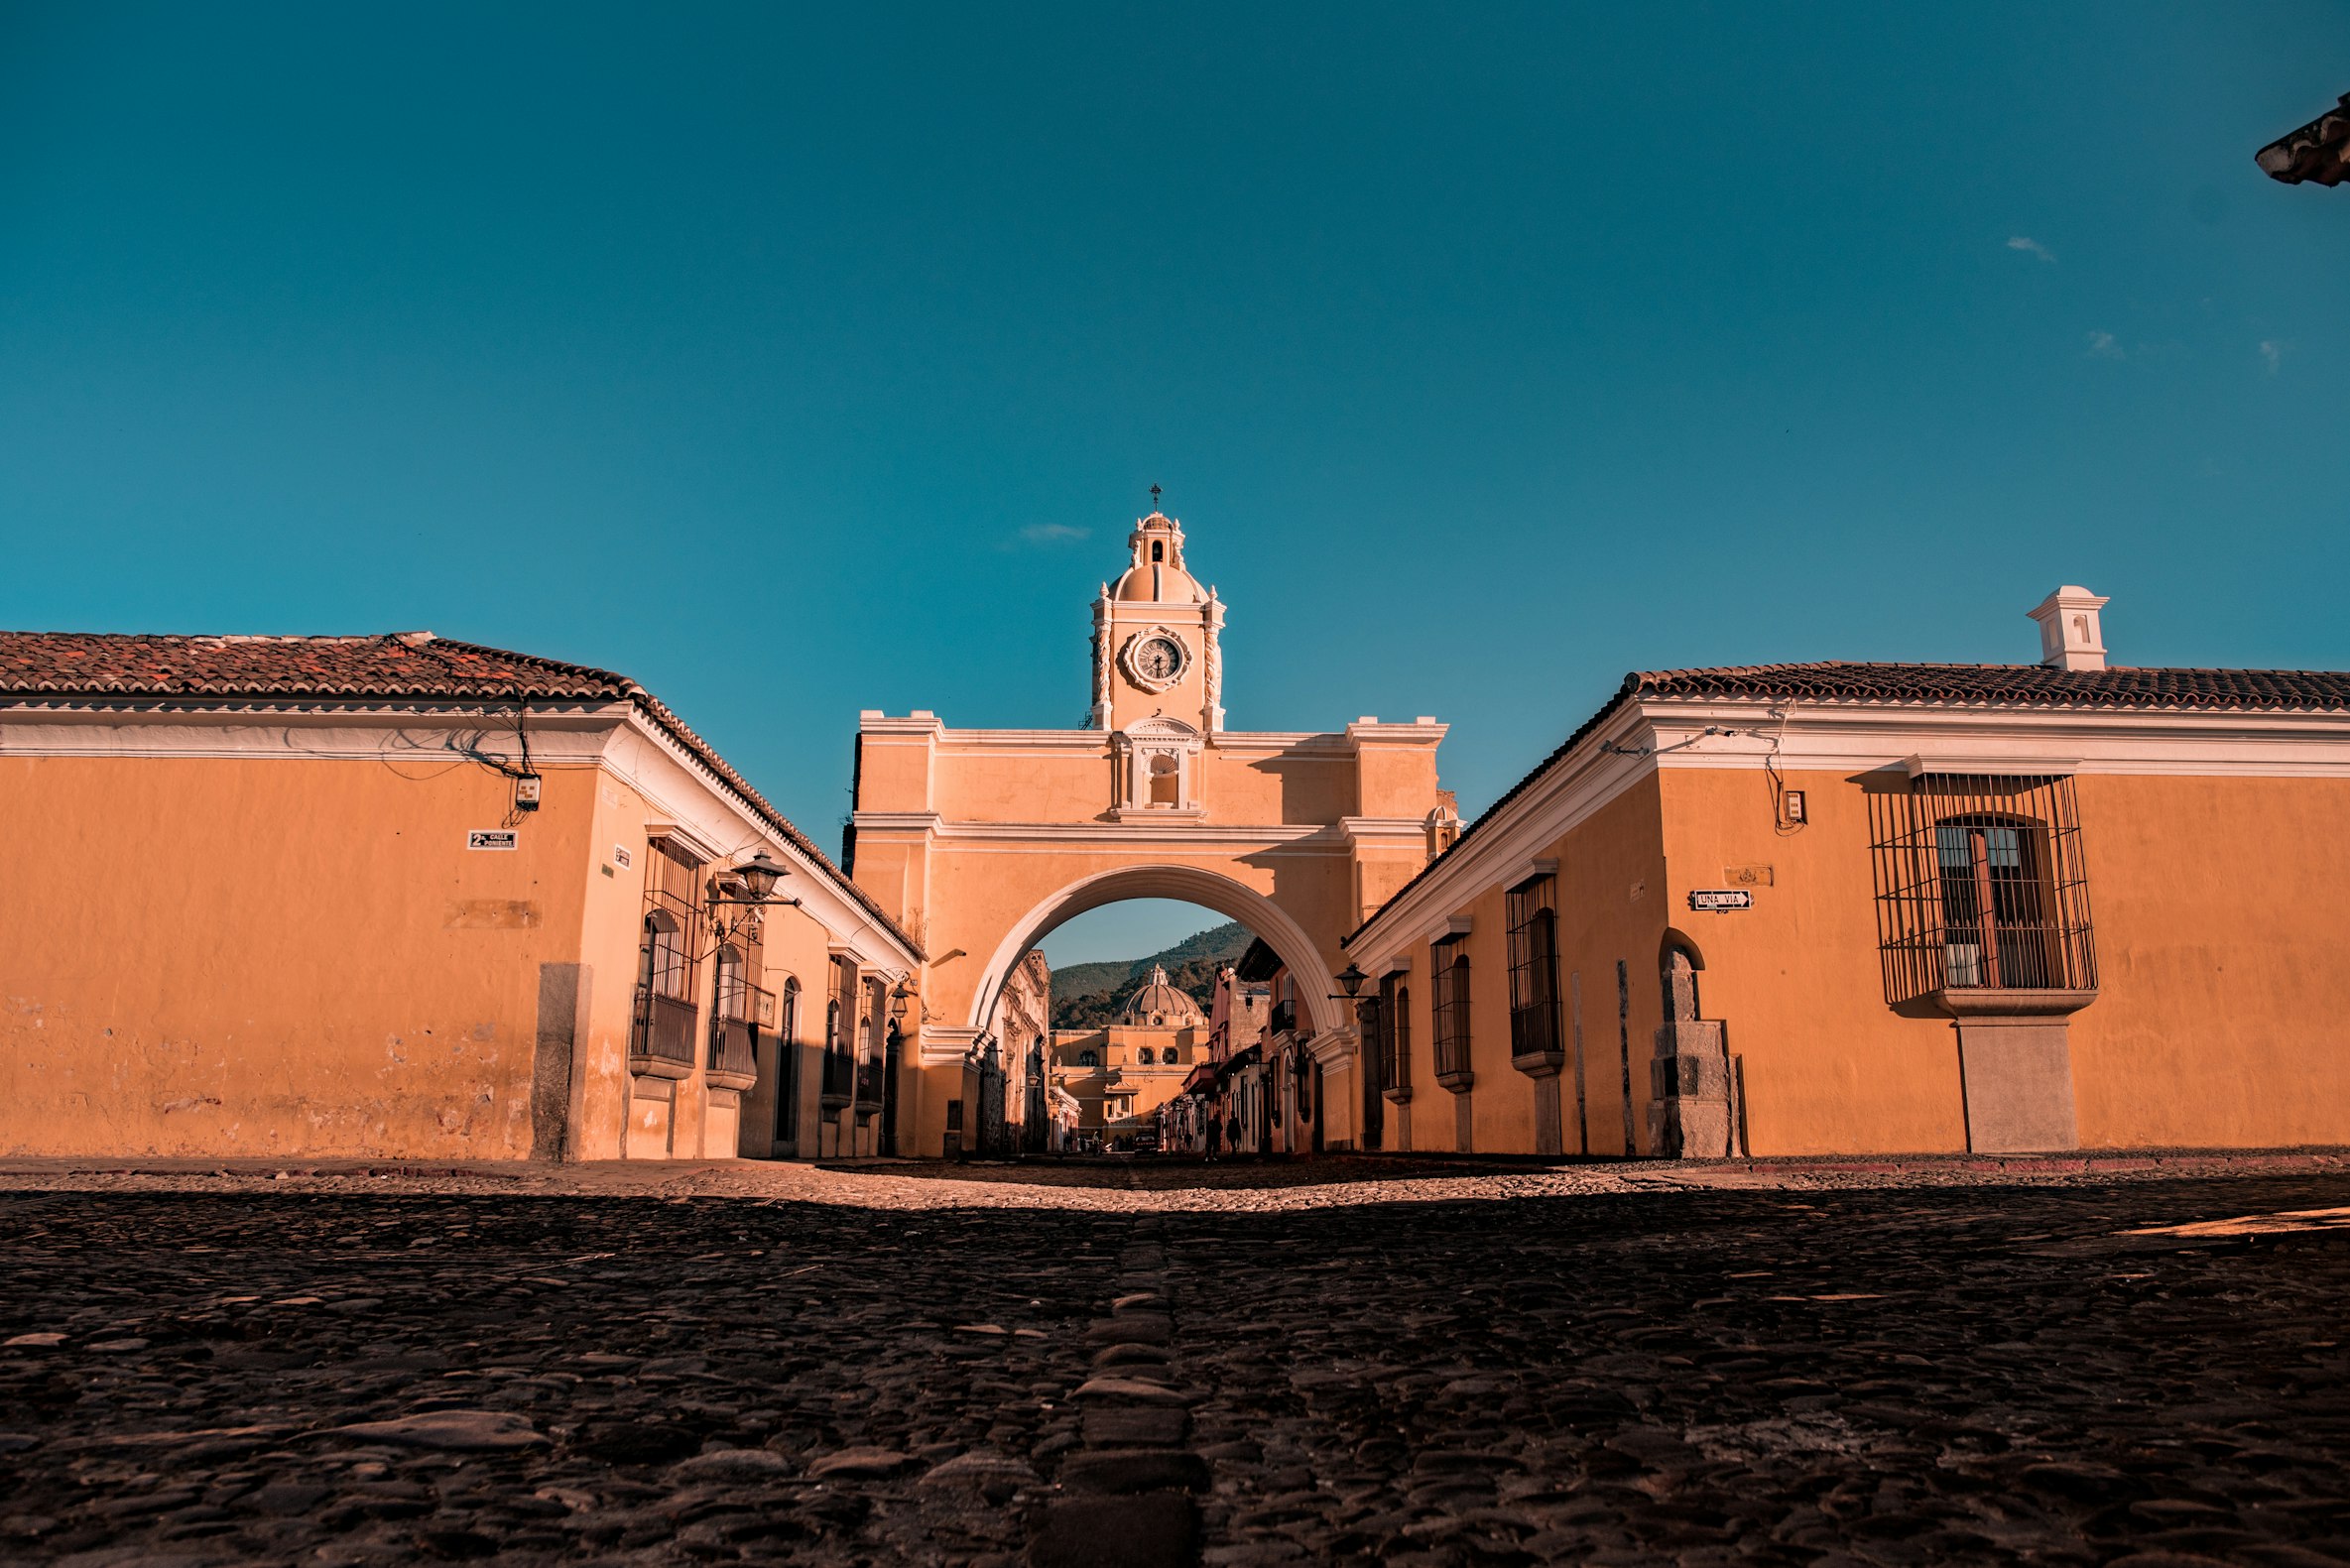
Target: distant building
pixel 1202 1118
pixel 1122 1074
pixel 1025 1025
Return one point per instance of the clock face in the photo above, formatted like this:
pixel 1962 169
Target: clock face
pixel 1159 659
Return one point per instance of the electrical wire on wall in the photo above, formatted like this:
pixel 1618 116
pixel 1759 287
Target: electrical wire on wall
pixel 1613 749
pixel 1782 824
pixel 525 774
pixel 1787 819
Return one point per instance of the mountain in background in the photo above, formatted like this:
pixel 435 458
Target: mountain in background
pixel 1088 995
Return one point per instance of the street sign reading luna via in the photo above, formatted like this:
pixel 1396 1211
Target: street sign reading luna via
pixel 1720 899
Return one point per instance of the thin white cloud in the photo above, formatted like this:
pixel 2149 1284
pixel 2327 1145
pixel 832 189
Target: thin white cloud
pixel 1052 532
pixel 2102 346
pixel 2030 246
pixel 2274 352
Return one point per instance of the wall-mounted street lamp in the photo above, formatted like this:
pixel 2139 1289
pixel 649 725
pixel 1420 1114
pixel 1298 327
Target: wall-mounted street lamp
pixel 900 1001
pixel 1350 984
pixel 757 877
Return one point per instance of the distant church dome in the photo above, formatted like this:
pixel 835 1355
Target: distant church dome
pixel 1158 1003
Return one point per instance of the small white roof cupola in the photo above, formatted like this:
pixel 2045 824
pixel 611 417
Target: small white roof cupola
pixel 2070 637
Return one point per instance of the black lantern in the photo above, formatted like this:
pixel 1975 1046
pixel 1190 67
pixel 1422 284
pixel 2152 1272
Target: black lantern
pixel 1351 980
pixel 760 875
pixel 900 999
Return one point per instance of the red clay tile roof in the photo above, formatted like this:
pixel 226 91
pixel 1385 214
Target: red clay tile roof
pixel 2028 685
pixel 84 666
pixel 397 664
pixel 1940 685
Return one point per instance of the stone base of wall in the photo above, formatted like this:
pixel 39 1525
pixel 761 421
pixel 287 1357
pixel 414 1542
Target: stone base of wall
pixel 2016 1075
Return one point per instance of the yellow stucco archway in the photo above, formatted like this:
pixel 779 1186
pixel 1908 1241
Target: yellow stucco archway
pixel 980 841
pixel 1188 883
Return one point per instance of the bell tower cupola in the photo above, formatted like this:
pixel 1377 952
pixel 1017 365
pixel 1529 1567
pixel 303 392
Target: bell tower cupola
pixel 1155 637
pixel 1157 574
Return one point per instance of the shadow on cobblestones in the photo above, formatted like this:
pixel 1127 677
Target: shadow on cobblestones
pixel 1889 1375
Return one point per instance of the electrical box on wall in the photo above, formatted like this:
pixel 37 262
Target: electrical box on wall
pixel 526 792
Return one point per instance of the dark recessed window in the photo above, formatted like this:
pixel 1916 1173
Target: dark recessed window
pixel 1533 967
pixel 1450 966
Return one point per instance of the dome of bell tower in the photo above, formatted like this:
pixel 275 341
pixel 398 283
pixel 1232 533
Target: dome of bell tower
pixel 1157 572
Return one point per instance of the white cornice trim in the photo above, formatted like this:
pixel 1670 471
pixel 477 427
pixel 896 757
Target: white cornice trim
pixel 673 783
pixel 1410 830
pixel 1095 742
pixel 679 791
pixel 1553 803
pixel 1862 737
pixel 1334 1047
pixel 343 732
pixel 915 726
pixel 1414 733
pixel 1136 829
pixel 1451 926
pixel 1849 739
pixel 944 1047
pixel 896 821
pixel 1917 767
pixel 709 854
pixel 1529 869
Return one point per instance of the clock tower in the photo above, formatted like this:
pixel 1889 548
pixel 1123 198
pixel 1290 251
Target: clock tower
pixel 984 840
pixel 1156 663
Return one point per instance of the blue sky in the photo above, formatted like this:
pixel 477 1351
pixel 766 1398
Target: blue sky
pixel 797 363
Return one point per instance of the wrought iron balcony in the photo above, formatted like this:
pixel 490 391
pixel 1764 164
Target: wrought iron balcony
pixel 839 1071
pixel 734 1032
pixel 662 1042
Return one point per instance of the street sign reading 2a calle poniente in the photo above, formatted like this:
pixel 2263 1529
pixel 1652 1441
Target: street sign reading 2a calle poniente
pixel 1719 899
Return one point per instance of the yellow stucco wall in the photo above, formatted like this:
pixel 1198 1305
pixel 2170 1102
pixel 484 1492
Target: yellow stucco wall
pixel 2220 927
pixel 1611 908
pixel 265 956
pixel 217 956
pixel 1829 1067
pixel 2219 931
pixel 2223 932
pixel 971 891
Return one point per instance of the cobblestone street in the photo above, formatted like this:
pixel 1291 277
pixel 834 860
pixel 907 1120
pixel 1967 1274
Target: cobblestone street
pixel 1114 1366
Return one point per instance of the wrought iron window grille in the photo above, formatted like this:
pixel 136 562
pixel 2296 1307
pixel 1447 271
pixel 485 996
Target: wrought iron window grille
pixel 1533 968
pixel 1450 976
pixel 1981 886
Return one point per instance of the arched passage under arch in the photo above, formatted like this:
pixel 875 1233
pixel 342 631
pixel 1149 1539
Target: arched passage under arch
pixel 1189 883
